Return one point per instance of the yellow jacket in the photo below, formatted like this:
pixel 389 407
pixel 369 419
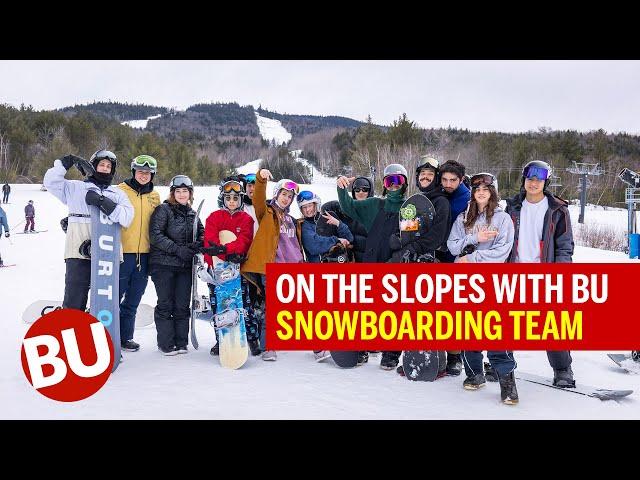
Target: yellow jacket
pixel 135 238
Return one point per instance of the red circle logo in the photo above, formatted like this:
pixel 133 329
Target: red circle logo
pixel 67 355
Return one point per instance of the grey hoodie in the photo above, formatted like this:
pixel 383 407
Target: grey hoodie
pixel 496 250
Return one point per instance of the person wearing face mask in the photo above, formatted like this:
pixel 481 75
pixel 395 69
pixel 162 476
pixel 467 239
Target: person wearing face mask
pixel 277 240
pixel 380 217
pixel 484 234
pixel 96 190
pixel 170 262
pixel 134 271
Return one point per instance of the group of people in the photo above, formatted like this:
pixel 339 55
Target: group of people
pixel 29 217
pixel 158 240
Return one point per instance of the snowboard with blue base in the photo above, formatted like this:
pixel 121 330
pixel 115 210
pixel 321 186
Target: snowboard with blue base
pixel 105 276
pixel 230 312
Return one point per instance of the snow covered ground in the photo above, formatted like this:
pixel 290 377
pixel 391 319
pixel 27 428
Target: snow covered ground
pixel 271 129
pixel 148 385
pixel 140 123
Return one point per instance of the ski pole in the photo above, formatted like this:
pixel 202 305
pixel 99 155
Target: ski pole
pixel 17 225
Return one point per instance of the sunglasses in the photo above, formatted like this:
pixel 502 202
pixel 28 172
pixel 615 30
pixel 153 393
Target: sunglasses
pixel 180 181
pixel 482 179
pixel 291 185
pixel 361 189
pixel 231 187
pixel 251 178
pixel 391 180
pixel 536 172
pixel 304 195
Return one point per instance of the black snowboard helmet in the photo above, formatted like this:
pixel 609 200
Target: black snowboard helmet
pixel 103 178
pixel 362 182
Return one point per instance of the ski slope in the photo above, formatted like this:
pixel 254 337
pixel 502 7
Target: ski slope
pixel 142 124
pixel 148 385
pixel 271 129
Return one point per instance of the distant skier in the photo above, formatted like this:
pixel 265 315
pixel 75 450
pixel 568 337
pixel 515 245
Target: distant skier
pixel 6 190
pixel 542 235
pixel 95 190
pixel 484 234
pixel 30 216
pixel 4 225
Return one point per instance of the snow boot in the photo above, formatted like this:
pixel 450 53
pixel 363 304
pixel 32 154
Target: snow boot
pixel 490 373
pixel 563 377
pixel 454 364
pixel 508 391
pixel 474 382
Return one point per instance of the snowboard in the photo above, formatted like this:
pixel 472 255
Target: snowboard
pixel 105 273
pixel 345 359
pixel 30 233
pixel 7 266
pixel 229 316
pixel 423 365
pixel 144 315
pixel 626 362
pixel 195 298
pixel 600 393
pixel 416 217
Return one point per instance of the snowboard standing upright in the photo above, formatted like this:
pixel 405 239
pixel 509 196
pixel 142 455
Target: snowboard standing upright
pixel 194 282
pixel 229 316
pixel 105 275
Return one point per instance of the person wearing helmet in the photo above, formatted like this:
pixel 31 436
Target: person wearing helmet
pixel 381 221
pixel 134 271
pixel 231 216
pixel 30 217
pixel 249 187
pixel 95 190
pixel 543 234
pixel 170 262
pixel 452 175
pixel 484 234
pixel 277 240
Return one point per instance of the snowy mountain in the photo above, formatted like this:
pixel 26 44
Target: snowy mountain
pixel 140 123
pixel 194 386
pixel 272 130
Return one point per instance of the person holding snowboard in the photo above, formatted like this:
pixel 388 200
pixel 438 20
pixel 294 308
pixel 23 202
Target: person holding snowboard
pixel 542 235
pixel 96 190
pixel 6 190
pixel 231 217
pixel 170 264
pixel 134 271
pixel 277 240
pixel 484 234
pixel 4 225
pixel 316 245
pixel 379 216
pixel 29 216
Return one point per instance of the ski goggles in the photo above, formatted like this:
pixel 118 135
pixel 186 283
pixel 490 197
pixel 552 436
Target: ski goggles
pixel 480 179
pixel 305 195
pixel 251 178
pixel 181 181
pixel 391 180
pixel 429 162
pixel 290 185
pixel 534 171
pixel 361 189
pixel 145 161
pixel 229 187
pixel 100 154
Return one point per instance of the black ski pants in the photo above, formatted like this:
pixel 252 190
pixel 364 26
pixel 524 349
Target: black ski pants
pixel 77 280
pixel 173 310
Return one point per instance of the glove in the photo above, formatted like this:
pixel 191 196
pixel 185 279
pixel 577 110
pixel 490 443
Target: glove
pixel 105 204
pixel 69 160
pixel 85 249
pixel 64 223
pixel 236 258
pixel 214 249
pixel 6 234
pixel 185 253
pixel 394 242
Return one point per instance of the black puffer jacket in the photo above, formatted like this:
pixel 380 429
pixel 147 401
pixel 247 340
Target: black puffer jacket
pixel 355 227
pixel 172 226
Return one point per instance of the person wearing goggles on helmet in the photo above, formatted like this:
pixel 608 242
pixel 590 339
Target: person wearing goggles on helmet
pixel 543 234
pixel 134 271
pixel 379 216
pixel 249 187
pixel 231 217
pixel 95 190
pixel 277 240
pixel 170 262
pixel 484 234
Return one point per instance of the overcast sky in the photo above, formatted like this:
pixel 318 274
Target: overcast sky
pixel 509 96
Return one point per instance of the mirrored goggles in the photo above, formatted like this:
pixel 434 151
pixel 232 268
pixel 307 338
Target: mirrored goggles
pixel 231 187
pixel 485 179
pixel 534 171
pixel 391 180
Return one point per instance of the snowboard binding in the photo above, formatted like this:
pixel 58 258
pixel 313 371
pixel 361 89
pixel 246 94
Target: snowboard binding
pixel 224 272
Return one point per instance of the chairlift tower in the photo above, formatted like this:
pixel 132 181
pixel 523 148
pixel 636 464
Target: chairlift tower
pixel 632 198
pixel 584 170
